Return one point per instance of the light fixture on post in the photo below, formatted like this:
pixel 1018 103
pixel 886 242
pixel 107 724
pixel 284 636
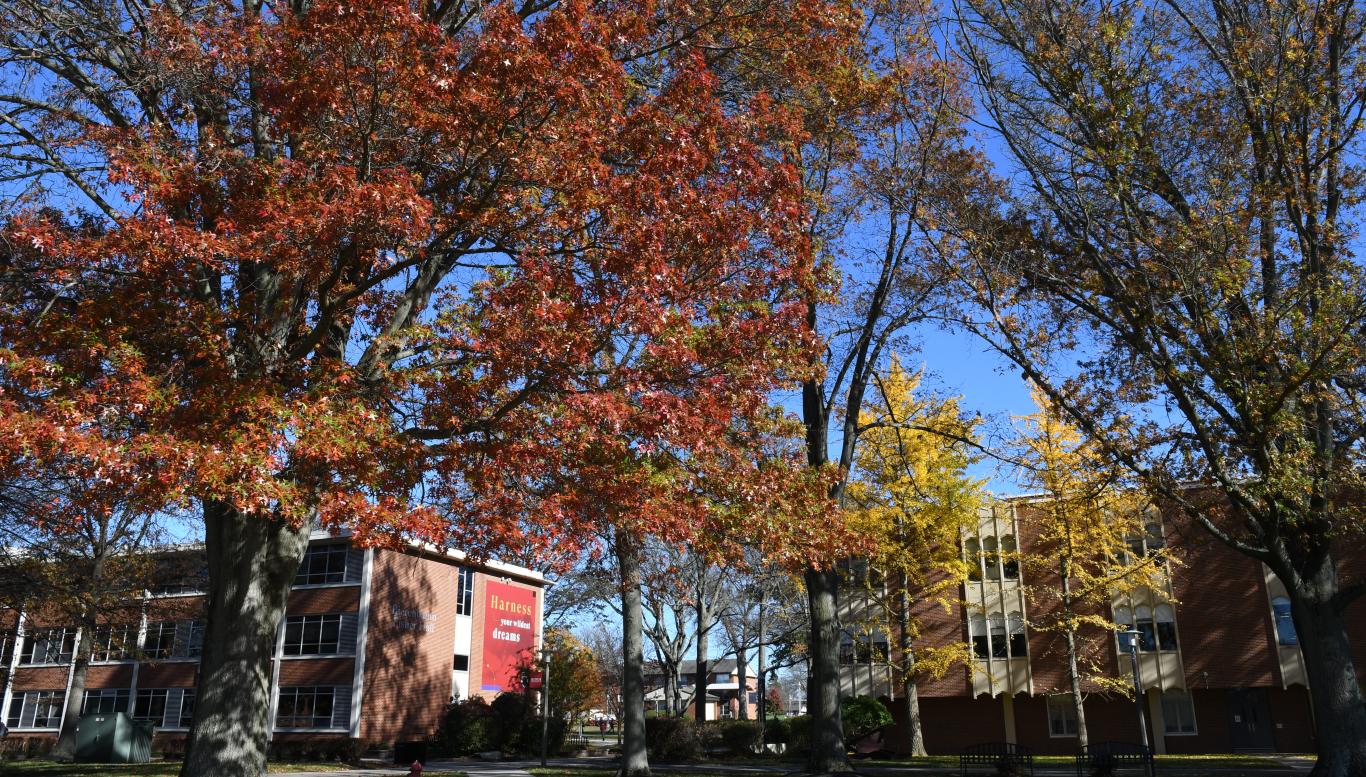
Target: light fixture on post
pixel 1131 638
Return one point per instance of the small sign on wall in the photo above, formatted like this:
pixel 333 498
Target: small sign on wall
pixel 509 633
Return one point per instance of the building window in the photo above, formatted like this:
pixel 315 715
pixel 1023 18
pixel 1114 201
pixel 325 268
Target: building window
pixel 464 592
pixel 1154 633
pixel 1285 624
pixel 150 706
pixel 1010 558
pixel 1018 647
pixel 977 633
pixel 1178 712
pixel 186 716
pixel 1166 627
pixel 972 554
pixel 462 663
pixel 313 707
pixel 325 564
pixel 991 559
pixel 1062 715
pixel 113 643
pixel 319 635
pixel 36 709
pixel 997 623
pixel 861 650
pixel 48 646
pixel 173 639
pixel 105 701
pixel 1149 543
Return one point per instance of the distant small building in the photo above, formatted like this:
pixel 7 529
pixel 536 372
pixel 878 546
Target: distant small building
pixel 723 692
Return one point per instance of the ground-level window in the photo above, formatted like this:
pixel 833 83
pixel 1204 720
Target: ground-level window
pixel 164 707
pixel 1285 624
pixel 1178 712
pixel 36 709
pixel 104 701
pixel 1062 715
pixel 322 706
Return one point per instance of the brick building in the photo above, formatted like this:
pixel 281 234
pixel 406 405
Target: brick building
pixel 373 646
pixel 1219 660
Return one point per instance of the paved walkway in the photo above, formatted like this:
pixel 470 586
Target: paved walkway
pixel 1293 768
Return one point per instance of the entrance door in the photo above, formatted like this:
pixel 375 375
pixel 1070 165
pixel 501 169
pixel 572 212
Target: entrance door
pixel 1249 720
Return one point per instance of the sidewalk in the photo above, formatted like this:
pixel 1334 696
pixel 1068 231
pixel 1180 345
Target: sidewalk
pixel 1292 767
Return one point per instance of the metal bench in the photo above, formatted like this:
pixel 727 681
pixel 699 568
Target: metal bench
pixel 1105 757
pixel 996 755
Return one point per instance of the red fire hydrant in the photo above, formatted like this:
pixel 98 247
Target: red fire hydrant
pixel 416 769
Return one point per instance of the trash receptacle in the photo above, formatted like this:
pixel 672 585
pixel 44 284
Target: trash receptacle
pixel 113 738
pixel 407 752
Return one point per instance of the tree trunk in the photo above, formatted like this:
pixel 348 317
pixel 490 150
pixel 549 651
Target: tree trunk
pixel 699 675
pixel 823 692
pixel 1073 671
pixel 910 691
pixel 742 674
pixel 635 761
pixel 65 749
pixel 252 562
pixel 1339 712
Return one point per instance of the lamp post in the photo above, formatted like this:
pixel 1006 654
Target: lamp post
pixel 1131 639
pixel 545 703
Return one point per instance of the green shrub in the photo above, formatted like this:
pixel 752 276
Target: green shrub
pixel 508 724
pixel 799 733
pixel 777 731
pixel 740 736
pixel 672 739
pixel 466 727
pixel 862 716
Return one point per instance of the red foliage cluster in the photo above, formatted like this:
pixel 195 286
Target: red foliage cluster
pixel 509 280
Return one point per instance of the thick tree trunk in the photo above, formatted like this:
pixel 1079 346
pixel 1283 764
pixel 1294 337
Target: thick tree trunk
pixel 823 692
pixel 635 761
pixel 1339 712
pixel 65 749
pixel 252 562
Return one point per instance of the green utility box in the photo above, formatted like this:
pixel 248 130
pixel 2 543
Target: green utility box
pixel 113 738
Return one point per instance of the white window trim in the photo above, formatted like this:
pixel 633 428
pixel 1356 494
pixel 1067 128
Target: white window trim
pixel 309 586
pixel 1049 713
pixel 1195 719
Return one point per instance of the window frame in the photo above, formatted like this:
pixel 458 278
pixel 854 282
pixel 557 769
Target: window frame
pixel 1173 694
pixel 66 645
pixel 1287 618
pixel 313 692
pixel 118 694
pixel 1062 702
pixel 464 591
pixel 303 623
pixel 305 577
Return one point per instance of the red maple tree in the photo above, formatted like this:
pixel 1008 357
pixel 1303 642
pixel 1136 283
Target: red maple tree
pixel 482 273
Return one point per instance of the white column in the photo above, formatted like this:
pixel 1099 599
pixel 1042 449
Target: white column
pixel 1008 710
pixel 362 627
pixel 13 665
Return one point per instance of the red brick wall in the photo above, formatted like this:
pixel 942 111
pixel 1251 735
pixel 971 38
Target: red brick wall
pixel 409 647
pixel 167 675
pixel 40 678
pixel 114 676
pixel 324 601
pixel 316 671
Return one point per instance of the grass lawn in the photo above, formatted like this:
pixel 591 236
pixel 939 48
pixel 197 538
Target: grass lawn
pixel 39 768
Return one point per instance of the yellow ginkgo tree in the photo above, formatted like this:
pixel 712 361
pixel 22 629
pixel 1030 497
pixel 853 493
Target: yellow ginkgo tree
pixel 913 498
pixel 1079 557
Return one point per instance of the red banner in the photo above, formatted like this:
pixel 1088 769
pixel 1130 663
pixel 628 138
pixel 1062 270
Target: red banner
pixel 509 633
